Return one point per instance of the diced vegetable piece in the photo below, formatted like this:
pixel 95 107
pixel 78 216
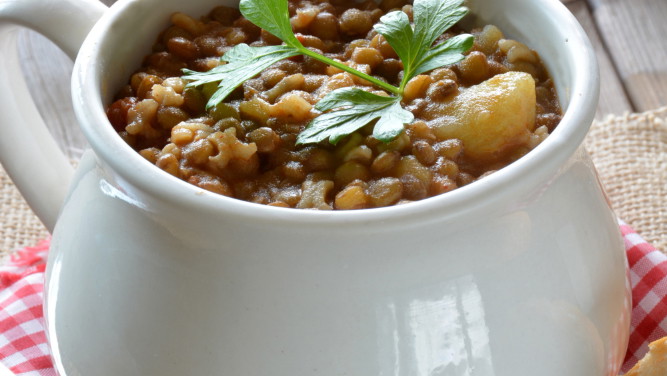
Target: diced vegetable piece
pixel 490 118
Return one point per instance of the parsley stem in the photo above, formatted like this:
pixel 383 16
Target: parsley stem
pixel 390 88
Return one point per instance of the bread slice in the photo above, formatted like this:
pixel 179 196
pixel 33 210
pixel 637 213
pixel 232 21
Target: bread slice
pixel 654 362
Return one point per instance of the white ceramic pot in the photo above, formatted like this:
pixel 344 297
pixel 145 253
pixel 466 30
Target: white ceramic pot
pixel 521 273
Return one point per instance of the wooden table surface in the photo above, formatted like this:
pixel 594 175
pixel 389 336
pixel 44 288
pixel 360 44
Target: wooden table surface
pixel 629 37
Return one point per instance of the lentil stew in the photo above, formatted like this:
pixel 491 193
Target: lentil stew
pixel 471 118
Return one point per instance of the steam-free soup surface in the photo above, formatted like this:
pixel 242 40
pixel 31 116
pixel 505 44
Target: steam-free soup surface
pixel 471 118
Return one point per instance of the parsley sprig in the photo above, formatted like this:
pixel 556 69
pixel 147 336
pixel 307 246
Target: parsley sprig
pixel 346 110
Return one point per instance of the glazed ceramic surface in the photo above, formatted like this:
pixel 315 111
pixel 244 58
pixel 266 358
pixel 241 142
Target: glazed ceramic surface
pixel 521 273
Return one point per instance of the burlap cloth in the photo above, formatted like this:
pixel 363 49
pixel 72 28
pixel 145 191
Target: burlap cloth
pixel 630 153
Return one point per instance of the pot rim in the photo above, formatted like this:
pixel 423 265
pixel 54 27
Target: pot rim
pixel 532 169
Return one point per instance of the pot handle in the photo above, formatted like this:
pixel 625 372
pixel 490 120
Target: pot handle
pixel 28 152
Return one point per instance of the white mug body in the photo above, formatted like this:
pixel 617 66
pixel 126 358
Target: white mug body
pixel 520 273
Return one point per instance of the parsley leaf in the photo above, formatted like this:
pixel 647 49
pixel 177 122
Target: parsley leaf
pixel 395 28
pixel 413 47
pixel 446 53
pixel 355 109
pixel 347 109
pixel 434 17
pixel 272 16
pixel 244 63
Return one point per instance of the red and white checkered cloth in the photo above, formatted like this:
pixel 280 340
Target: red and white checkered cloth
pixel 23 346
pixel 648 276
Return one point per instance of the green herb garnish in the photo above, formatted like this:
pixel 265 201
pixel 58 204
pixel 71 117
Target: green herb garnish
pixel 347 109
pixel 356 108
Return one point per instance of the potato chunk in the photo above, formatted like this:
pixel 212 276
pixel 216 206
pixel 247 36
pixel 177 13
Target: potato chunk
pixel 490 118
